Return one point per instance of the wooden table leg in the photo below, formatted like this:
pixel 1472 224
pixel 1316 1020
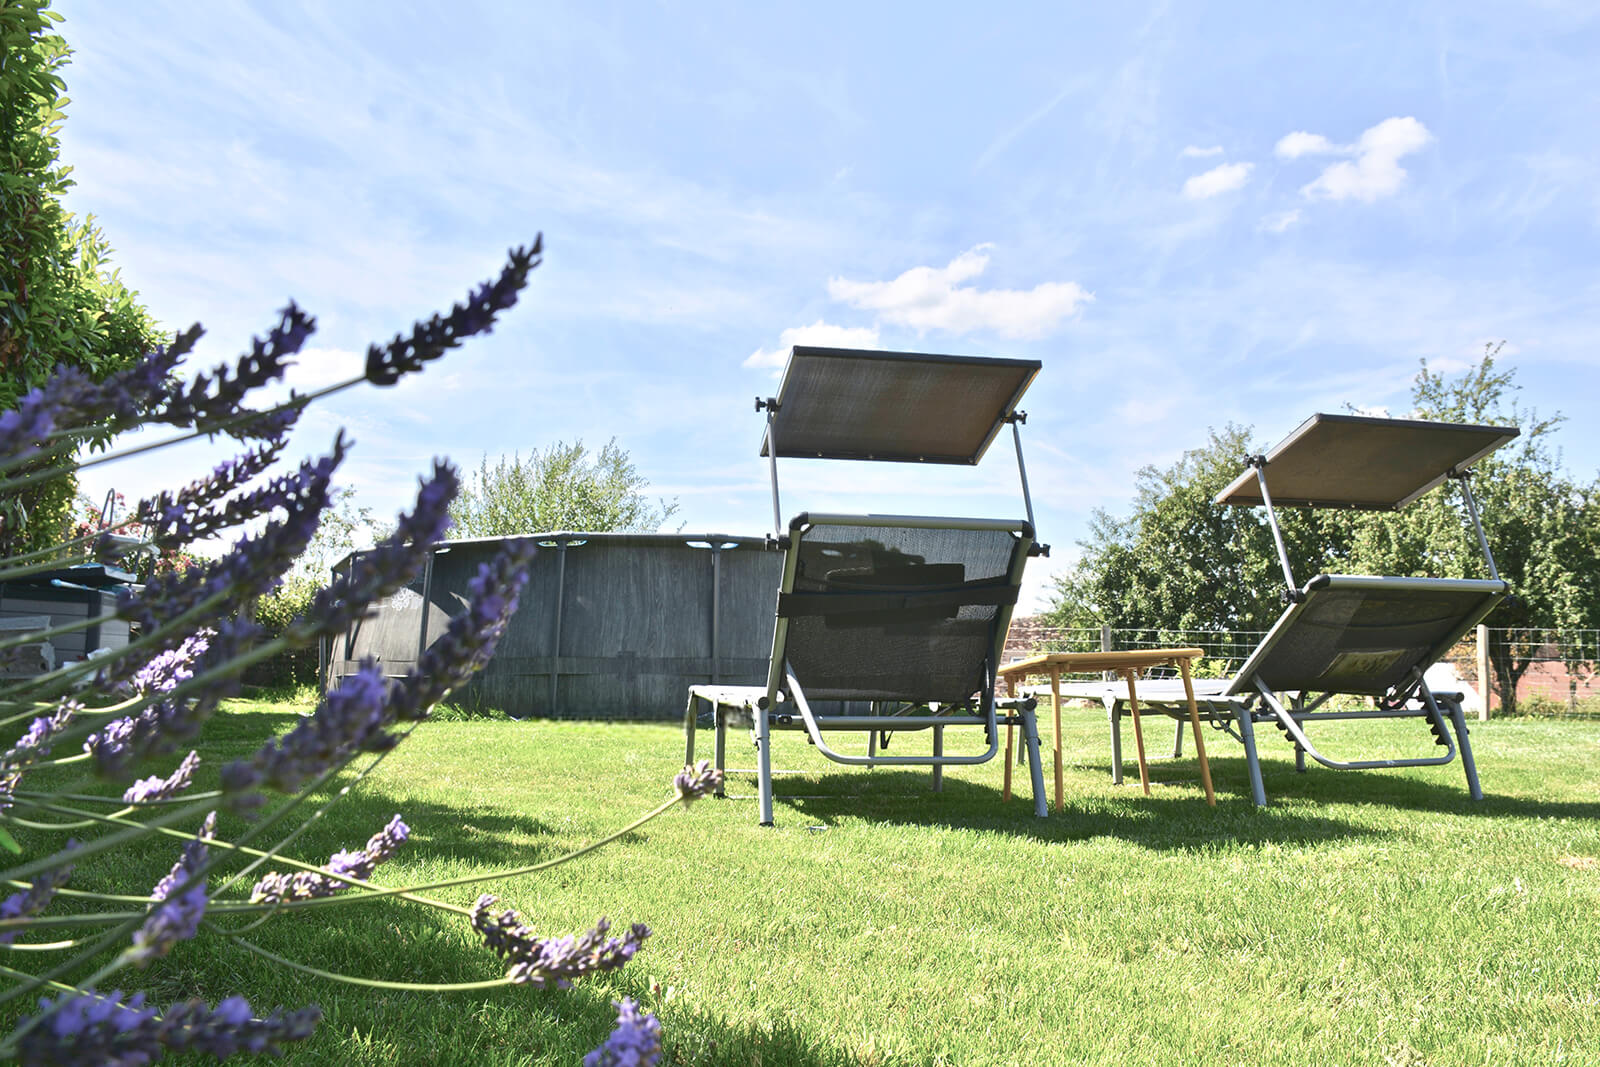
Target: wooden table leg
pixel 1138 730
pixel 1005 793
pixel 1199 742
pixel 1055 696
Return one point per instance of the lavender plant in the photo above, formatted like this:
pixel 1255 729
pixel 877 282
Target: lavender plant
pixel 126 714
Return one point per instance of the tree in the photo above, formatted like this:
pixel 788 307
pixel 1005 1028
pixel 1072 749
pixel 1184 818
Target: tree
pixel 557 489
pixel 58 303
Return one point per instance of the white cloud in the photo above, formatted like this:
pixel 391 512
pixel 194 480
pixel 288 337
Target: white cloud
pixel 1217 180
pixel 1196 152
pixel 932 298
pixel 1376 170
pixel 1300 143
pixel 1279 221
pixel 819 333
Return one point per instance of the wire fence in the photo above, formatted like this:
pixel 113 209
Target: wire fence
pixel 1562 674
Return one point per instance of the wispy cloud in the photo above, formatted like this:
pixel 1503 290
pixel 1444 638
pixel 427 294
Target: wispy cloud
pixel 1218 180
pixel 822 334
pixel 1196 152
pixel 1279 221
pixel 1300 143
pixel 933 298
pixel 1375 171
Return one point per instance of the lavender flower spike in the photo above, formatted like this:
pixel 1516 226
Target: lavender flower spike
pixel 155 787
pixel 34 744
pixel 303 885
pixel 177 918
pixel 636 1042
pixel 36 897
pixel 99 1028
pixel 558 961
pixel 697 781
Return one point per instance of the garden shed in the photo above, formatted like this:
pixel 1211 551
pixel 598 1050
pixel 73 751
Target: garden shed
pixel 609 626
pixel 86 593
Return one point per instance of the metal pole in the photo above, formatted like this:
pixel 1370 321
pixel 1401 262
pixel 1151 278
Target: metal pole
pixel 427 593
pixel 1472 509
pixel 1485 682
pixel 716 612
pixel 1017 418
pixel 555 653
pixel 1260 464
pixel 772 463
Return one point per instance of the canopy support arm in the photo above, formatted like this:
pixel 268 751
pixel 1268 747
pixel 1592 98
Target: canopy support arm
pixel 1461 477
pixel 1259 463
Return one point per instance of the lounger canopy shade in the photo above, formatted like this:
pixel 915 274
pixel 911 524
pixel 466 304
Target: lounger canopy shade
pixel 1372 464
pixel 842 403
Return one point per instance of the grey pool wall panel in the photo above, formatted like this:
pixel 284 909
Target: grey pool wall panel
pixel 609 626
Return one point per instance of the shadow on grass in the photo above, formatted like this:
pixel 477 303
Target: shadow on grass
pixel 1164 820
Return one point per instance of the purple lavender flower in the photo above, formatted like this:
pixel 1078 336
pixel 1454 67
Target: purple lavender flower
pixel 254 566
pixel 158 727
pixel 180 905
pixel 104 1029
pixel 69 399
pixel 636 1042
pixel 430 340
pixel 350 719
pixel 172 520
pixel 697 781
pixel 470 638
pixel 303 885
pixel 388 565
pixel 218 395
pixel 166 670
pixel 33 745
pixel 146 790
pixel 559 961
pixel 36 897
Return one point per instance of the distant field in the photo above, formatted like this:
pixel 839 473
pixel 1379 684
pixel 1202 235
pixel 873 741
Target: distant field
pixel 1363 918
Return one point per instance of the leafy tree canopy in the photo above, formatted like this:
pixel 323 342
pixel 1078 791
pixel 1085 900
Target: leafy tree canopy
pixel 59 304
pixel 561 488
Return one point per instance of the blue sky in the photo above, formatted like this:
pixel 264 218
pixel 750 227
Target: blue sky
pixel 1192 214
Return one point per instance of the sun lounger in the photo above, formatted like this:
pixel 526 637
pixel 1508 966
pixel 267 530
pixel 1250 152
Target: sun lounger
pixel 1346 635
pixel 887 624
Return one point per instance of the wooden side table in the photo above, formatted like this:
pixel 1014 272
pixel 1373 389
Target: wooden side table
pixel 1128 664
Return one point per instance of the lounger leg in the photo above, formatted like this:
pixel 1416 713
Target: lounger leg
pixel 1138 730
pixel 1459 721
pixel 1247 734
pixel 721 751
pixel 1114 714
pixel 1177 741
pixel 689 713
pixel 1030 741
pixel 938 750
pixel 1299 759
pixel 764 763
pixel 1005 793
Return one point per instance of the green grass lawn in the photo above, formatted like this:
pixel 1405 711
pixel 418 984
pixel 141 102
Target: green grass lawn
pixel 1363 918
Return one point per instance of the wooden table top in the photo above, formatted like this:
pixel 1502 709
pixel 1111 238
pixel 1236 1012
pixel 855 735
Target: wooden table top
pixel 1127 659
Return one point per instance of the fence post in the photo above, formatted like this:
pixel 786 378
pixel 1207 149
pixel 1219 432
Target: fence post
pixel 1484 686
pixel 1105 646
